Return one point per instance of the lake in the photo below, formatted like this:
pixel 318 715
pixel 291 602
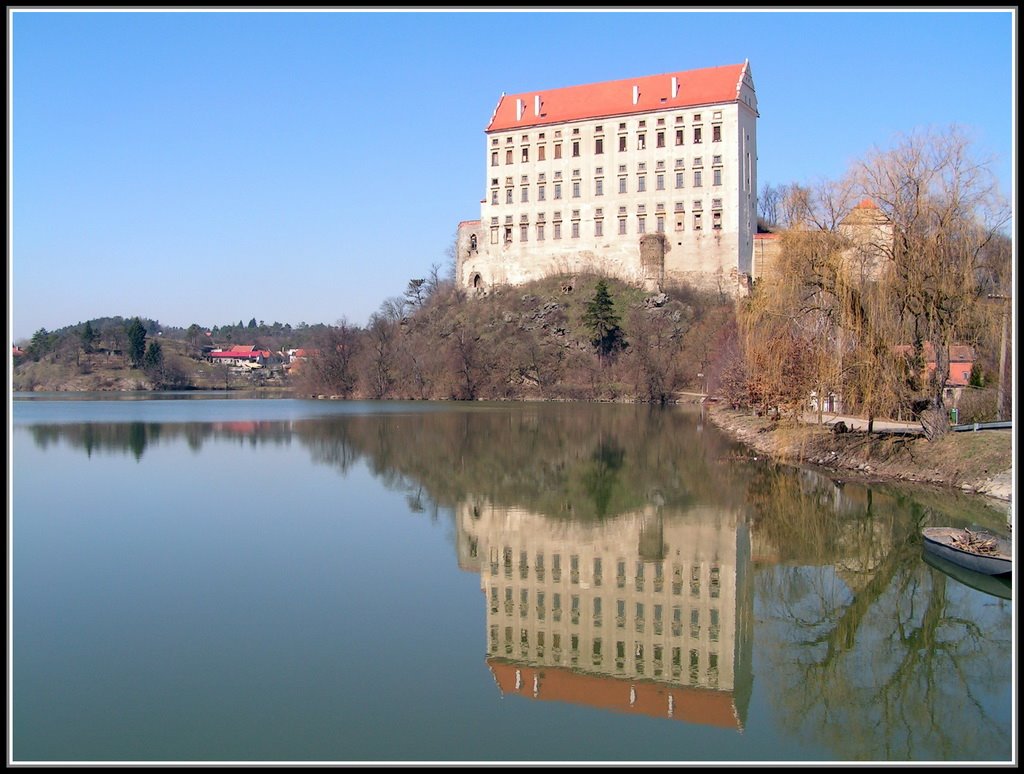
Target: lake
pixel 211 579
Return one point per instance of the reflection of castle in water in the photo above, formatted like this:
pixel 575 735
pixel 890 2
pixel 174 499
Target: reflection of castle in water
pixel 644 613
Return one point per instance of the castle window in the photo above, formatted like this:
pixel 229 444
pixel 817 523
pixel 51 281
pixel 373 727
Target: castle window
pixel 599 145
pixel 525 195
pixel 641 183
pixel 661 224
pixel 716 221
pixel 679 136
pixel 540 153
pixel 575 148
pixel 494 196
pixel 660 182
pixel 558 150
pixel 641 224
pixel 697 178
pixel 622 185
pixel 540 232
pixel 622 143
pixel 508 196
pixel 696 134
pixel 599 187
pixel 679 179
pixel 641 141
pixel 575 229
pixel 558 230
pixel 661 140
pixel 622 225
pixel 575 189
pixel 508 235
pixel 696 227
pixel 558 190
pixel 494 158
pixel 696 117
pixel 716 133
pixel 526 154
pixel 508 156
pixel 598 228
pixel 540 193
pixel 494 235
pixel 716 177
pixel 523 229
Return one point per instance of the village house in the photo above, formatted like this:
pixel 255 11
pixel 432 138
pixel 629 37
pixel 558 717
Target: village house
pixel 961 364
pixel 240 355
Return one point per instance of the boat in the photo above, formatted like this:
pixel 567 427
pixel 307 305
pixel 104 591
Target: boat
pixel 979 551
pixel 996 585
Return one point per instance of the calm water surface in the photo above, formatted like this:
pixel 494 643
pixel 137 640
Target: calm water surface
pixel 281 580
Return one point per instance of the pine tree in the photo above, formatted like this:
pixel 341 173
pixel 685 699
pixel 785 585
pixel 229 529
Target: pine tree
pixel 603 322
pixel 136 333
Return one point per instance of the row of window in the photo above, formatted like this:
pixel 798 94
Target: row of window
pixel 637 654
pixel 660 136
pixel 623 186
pixel 638 621
pixel 655 571
pixel 575 146
pixel 505 235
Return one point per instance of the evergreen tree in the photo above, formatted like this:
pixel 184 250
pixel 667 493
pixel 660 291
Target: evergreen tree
pixel 154 355
pixel 136 333
pixel 89 337
pixel 603 322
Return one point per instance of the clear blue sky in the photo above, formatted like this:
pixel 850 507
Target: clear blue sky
pixel 212 167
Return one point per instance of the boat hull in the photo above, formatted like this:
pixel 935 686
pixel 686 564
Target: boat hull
pixel 938 542
pixel 996 585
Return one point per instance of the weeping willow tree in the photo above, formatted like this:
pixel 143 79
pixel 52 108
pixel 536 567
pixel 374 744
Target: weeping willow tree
pixel 821 323
pixel 853 283
pixel 946 212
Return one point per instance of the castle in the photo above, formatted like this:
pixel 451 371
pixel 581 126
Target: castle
pixel 651 180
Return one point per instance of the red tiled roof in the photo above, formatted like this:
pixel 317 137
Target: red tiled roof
pixel 711 85
pixel 866 204
pixel 958 353
pixel 639 697
pixel 242 350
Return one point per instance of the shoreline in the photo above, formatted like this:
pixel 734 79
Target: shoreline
pixel 877 457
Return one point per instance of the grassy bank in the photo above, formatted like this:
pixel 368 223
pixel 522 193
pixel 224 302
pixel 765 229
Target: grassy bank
pixel 979 462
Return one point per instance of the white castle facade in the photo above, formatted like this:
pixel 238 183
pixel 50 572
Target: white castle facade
pixel 652 180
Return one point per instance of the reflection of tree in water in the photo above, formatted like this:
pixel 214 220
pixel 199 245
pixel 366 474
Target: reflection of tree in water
pixel 556 460
pixel 552 459
pixel 871 651
pixel 600 477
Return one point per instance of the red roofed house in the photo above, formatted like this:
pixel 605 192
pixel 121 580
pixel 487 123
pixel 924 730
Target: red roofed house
pixel 961 363
pixel 648 179
pixel 240 355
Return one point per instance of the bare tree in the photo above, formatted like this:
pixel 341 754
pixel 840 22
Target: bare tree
pixel 946 211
